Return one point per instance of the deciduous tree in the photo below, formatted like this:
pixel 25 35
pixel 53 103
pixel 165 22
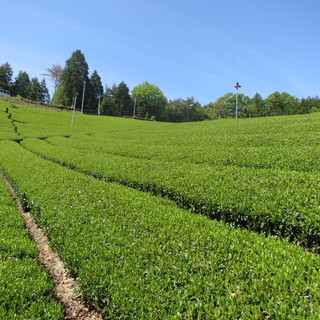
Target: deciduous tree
pixel 150 100
pixel 54 74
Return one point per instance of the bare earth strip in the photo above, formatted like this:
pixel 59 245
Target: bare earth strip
pixel 64 284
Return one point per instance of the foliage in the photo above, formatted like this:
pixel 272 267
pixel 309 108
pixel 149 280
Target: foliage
pixel 55 74
pixel 6 74
pixel 183 110
pixel 138 256
pixel 22 84
pixel 25 288
pixel 150 100
pixel 225 106
pixel 93 93
pixel 280 103
pixel 38 91
pixel 309 105
pixel 74 74
pixel 283 206
pixel 117 101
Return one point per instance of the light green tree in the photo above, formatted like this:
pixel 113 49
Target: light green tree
pixel 150 100
pixel 281 103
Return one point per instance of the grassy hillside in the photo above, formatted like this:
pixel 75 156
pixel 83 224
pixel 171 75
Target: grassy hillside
pixel 138 256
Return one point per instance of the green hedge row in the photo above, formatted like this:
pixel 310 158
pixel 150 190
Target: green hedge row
pixel 278 202
pixel 25 288
pixel 137 256
pixel 286 143
pixel 8 128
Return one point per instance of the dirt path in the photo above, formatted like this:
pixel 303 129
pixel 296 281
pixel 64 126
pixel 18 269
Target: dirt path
pixel 65 285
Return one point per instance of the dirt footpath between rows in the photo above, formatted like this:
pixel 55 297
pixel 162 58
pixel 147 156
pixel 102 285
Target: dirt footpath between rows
pixel 65 285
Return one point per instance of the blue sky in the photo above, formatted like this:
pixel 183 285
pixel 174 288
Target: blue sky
pixel 186 48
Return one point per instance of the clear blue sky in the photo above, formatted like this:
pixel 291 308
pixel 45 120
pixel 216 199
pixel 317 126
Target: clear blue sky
pixel 187 48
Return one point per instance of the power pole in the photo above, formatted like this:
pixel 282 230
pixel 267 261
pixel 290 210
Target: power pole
pixel 134 107
pixel 237 86
pixel 74 101
pixel 84 88
pixel 99 105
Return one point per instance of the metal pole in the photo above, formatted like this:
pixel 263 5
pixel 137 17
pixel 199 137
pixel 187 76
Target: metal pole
pixel 99 106
pixel 237 104
pixel 237 86
pixel 84 88
pixel 73 112
pixel 134 107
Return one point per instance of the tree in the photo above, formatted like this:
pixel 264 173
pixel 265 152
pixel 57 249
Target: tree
pixel 72 79
pixel 6 76
pixel 117 101
pixel 45 96
pixel 150 100
pixel 183 110
pixel 309 105
pixel 34 92
pixel 94 91
pixel 107 105
pixel 256 108
pixel 54 74
pixel 122 100
pixel 21 84
pixel 281 103
pixel 224 106
pixel 173 112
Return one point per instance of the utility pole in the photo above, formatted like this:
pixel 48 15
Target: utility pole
pixel 99 105
pixel 74 101
pixel 84 88
pixel 134 107
pixel 237 86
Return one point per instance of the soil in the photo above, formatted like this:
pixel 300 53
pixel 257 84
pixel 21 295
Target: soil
pixel 65 287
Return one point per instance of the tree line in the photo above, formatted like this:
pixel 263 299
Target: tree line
pixel 276 104
pixel 146 101
pixel 22 85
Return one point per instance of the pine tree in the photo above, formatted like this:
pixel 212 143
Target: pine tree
pixel 6 76
pixel 21 84
pixel 74 74
pixel 94 91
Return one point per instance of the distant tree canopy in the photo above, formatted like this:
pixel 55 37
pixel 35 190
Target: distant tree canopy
pixel 146 100
pixel 275 104
pixel 225 106
pixel 22 85
pixel 183 110
pixel 150 100
pixel 117 101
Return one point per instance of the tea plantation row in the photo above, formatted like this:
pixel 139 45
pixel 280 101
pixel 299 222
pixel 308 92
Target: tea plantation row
pixel 137 256
pixel 285 203
pixel 25 288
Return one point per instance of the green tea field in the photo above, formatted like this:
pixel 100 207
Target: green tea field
pixel 204 220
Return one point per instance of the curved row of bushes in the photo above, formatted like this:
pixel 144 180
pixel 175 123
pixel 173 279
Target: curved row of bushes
pixel 284 203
